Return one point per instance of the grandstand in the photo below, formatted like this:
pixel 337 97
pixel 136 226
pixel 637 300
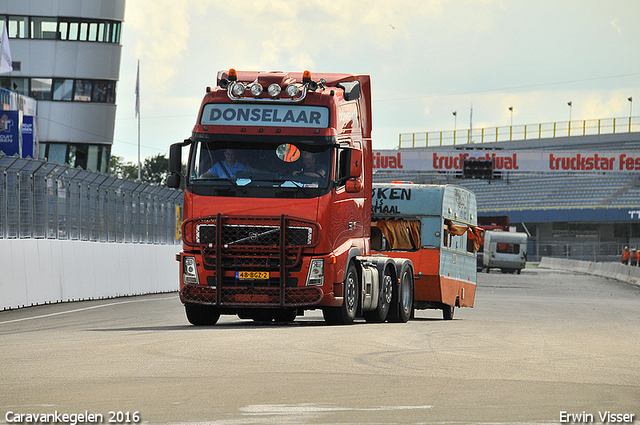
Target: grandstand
pixel 579 214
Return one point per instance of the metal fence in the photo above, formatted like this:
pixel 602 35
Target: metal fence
pixel 586 251
pixel 40 199
pixel 520 132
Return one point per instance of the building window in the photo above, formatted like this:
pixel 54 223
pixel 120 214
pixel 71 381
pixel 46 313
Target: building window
pixel 44 28
pixel 73 31
pixel 83 91
pixel 104 92
pixel 86 156
pixel 56 152
pixel 41 88
pixel 18 85
pixel 18 26
pixel 59 28
pixel 62 89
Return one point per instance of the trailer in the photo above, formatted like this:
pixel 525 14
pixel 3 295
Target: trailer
pixel 506 251
pixel 435 226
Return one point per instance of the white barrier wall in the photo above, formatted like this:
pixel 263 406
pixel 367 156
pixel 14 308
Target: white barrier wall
pixel 618 271
pixel 41 271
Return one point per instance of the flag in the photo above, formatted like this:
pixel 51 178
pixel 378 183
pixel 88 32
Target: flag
pixel 6 64
pixel 138 90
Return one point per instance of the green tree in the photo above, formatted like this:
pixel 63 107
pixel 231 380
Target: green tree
pixel 155 170
pixel 121 169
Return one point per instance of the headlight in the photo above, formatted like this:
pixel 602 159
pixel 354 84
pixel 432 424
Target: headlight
pixel 189 270
pixel 255 89
pixel 238 89
pixel 293 91
pixel 274 90
pixel 316 272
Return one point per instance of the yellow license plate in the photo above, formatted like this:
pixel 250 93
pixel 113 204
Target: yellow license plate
pixel 252 275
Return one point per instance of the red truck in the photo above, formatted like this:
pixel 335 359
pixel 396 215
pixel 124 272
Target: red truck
pixel 277 203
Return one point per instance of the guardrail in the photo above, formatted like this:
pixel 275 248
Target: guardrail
pixel 43 200
pixel 520 132
pixel 621 272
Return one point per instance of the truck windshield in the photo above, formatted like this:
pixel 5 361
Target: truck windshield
pixel 295 163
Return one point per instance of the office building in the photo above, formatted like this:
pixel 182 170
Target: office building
pixel 66 55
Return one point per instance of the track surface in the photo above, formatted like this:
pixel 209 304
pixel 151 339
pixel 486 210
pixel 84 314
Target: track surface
pixel 535 345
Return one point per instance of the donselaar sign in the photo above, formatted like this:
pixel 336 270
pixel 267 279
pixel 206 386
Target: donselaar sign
pixel 510 161
pixel 265 115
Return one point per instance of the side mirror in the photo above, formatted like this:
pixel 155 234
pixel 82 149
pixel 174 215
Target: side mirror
pixel 355 164
pixel 175 158
pixel 353 186
pixel 173 181
pixel 175 165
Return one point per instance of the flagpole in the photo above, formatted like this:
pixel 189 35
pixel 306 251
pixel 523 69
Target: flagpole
pixel 138 115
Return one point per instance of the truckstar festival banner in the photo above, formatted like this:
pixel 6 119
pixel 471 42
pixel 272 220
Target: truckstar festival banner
pixel 509 161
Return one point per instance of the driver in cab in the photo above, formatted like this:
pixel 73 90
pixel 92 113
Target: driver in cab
pixel 310 168
pixel 226 169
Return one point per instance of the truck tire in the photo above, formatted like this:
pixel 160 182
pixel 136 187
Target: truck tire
pixel 379 315
pixel 345 314
pixel 402 304
pixel 202 315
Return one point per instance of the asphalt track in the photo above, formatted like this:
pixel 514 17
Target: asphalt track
pixel 535 347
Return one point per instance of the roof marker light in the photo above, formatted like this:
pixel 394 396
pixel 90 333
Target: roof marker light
pixel 255 89
pixel 233 75
pixel 238 89
pixel 293 91
pixel 274 90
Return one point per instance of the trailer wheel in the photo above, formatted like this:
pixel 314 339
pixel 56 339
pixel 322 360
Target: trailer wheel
pixel 379 315
pixel 345 314
pixel 402 304
pixel 447 312
pixel 202 315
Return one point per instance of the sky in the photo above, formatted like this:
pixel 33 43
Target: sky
pixel 427 59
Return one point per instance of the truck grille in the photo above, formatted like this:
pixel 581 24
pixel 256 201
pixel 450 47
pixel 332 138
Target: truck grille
pixel 253 242
pixel 253 235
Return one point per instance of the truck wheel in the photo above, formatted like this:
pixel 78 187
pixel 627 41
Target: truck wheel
pixel 379 315
pixel 201 315
pixel 447 312
pixel 345 314
pixel 402 303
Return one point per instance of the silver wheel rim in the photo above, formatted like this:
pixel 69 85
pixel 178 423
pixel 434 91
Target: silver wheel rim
pixel 350 295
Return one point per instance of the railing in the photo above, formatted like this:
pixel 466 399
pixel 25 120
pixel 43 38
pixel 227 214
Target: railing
pixel 40 199
pixel 520 132
pixel 586 251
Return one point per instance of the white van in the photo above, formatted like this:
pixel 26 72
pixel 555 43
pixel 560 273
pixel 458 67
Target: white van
pixel 506 251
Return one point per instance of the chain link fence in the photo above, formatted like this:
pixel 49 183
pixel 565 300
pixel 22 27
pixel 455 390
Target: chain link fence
pixel 41 200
